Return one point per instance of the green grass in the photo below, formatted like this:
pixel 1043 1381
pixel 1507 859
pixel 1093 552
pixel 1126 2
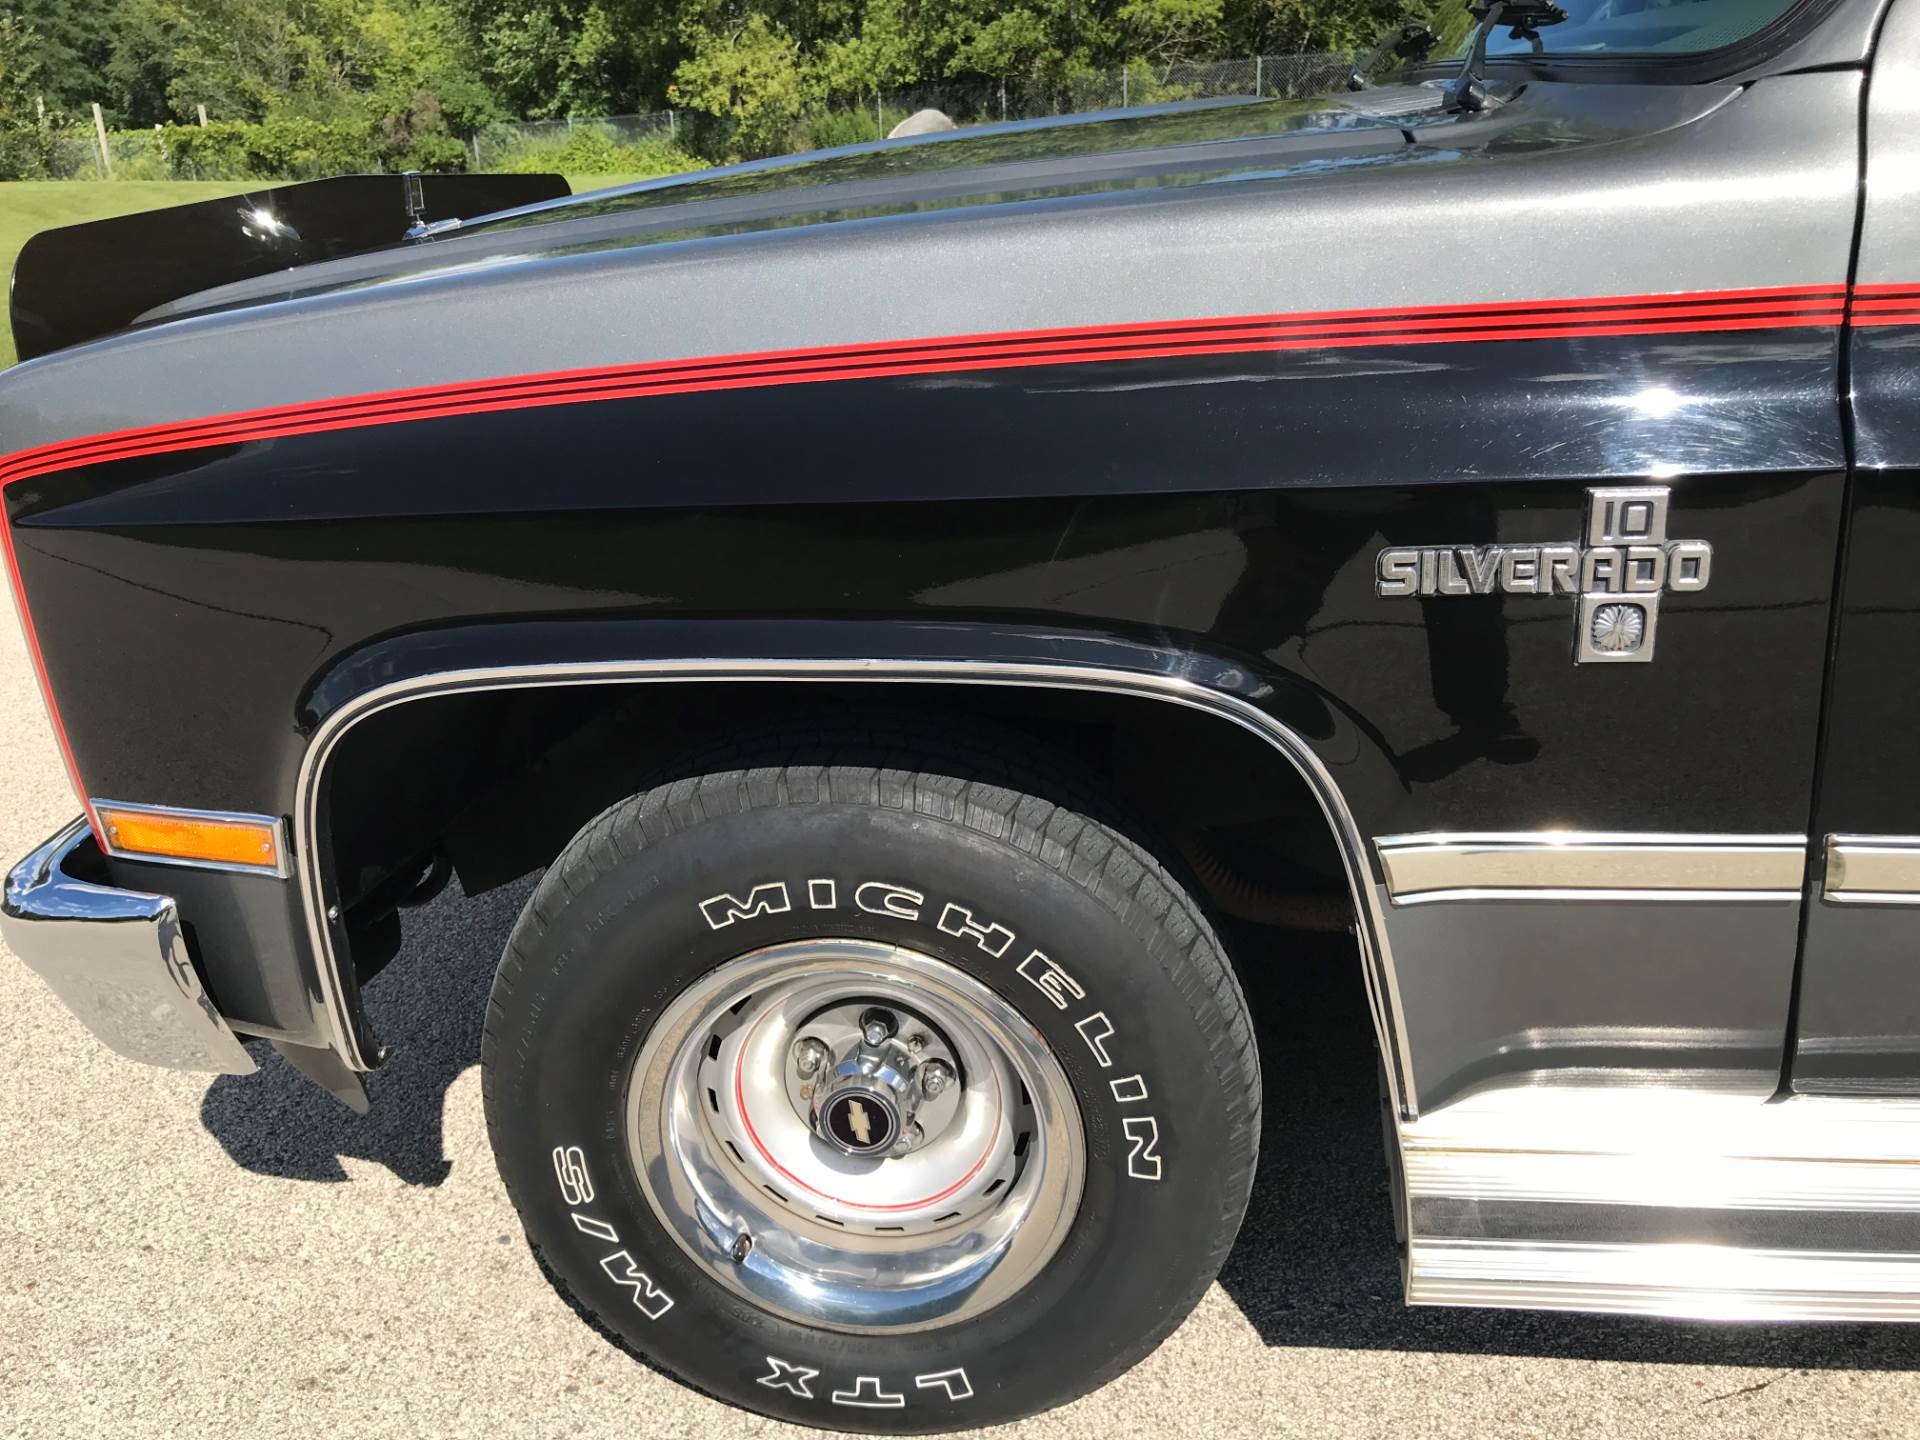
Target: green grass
pixel 30 206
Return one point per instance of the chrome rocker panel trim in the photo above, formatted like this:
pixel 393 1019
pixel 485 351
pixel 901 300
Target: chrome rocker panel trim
pixel 118 960
pixel 1695 1282
pixel 1370 928
pixel 1505 1186
pixel 1594 865
pixel 1660 1146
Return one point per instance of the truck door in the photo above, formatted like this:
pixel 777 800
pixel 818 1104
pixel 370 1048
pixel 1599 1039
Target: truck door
pixel 1858 1025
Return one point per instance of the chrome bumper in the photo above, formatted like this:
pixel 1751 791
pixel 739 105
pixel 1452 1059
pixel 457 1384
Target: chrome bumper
pixel 117 959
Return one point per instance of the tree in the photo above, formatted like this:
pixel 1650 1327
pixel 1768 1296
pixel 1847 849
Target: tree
pixel 26 144
pixel 884 48
pixel 74 45
pixel 546 58
pixel 1284 27
pixel 245 59
pixel 424 87
pixel 752 74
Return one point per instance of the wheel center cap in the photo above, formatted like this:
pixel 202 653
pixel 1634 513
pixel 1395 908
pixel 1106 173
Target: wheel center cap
pixel 861 1120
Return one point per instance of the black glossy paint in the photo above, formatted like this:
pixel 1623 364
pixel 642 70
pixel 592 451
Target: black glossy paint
pixel 248 933
pixel 1226 509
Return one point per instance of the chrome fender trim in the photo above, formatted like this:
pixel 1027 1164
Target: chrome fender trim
pixel 1872 870
pixel 324 929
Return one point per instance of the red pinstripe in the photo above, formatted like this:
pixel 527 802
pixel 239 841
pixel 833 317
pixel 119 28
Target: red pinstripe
pixel 1884 305
pixel 1764 308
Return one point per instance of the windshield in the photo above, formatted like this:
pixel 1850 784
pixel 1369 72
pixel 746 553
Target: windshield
pixel 1646 27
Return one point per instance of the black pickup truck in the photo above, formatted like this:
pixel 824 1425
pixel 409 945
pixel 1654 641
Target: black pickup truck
pixel 908 598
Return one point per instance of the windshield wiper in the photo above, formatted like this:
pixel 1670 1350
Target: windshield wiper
pixel 1411 41
pixel 1468 90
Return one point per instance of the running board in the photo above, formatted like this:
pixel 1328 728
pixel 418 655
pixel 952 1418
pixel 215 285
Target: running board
pixel 1666 1202
pixel 1698 1282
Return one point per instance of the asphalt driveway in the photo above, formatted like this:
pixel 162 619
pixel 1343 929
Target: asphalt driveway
pixel 183 1255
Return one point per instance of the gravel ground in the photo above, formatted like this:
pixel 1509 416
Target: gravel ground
pixel 185 1257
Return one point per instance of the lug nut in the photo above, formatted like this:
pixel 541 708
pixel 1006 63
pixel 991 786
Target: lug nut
pixel 808 1056
pixel 916 1043
pixel 912 1140
pixel 742 1247
pixel 935 1076
pixel 877 1025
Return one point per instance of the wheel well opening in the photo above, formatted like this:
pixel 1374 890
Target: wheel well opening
pixel 491 785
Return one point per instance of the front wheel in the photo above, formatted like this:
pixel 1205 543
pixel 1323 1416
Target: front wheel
pixel 873 1098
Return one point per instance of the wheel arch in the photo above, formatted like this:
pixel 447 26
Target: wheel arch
pixel 1310 732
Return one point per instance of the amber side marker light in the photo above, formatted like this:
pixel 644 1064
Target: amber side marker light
pixel 228 842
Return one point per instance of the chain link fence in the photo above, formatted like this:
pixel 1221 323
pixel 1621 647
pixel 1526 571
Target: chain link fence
pixel 75 155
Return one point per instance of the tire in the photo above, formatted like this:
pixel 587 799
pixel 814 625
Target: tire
pixel 1129 1037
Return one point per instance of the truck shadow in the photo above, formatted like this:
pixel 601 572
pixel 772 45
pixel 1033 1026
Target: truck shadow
pixel 1315 1265
pixel 433 1000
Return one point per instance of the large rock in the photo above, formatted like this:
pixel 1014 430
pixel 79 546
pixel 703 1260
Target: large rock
pixel 922 122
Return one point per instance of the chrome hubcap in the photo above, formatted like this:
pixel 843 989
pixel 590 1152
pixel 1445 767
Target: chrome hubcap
pixel 856 1135
pixel 887 1075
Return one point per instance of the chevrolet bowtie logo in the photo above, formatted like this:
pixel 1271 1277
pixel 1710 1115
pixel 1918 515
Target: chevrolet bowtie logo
pixel 859 1122
pixel 1619 575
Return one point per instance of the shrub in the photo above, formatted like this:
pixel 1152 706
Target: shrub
pixel 847 127
pixel 587 151
pixel 436 154
pixel 26 152
pixel 279 149
pixel 145 160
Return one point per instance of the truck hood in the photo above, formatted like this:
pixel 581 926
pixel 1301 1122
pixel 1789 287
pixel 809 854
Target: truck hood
pixel 1213 143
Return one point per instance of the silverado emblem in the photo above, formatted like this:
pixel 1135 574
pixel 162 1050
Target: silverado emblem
pixel 1619 574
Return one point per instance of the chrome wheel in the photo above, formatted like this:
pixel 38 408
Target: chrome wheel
pixel 856 1135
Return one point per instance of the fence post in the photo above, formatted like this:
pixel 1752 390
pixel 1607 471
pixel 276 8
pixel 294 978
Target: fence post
pixel 1126 78
pixel 40 110
pixel 1259 65
pixel 203 115
pixel 878 119
pixel 473 148
pixel 1003 100
pixel 100 134
pixel 673 126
